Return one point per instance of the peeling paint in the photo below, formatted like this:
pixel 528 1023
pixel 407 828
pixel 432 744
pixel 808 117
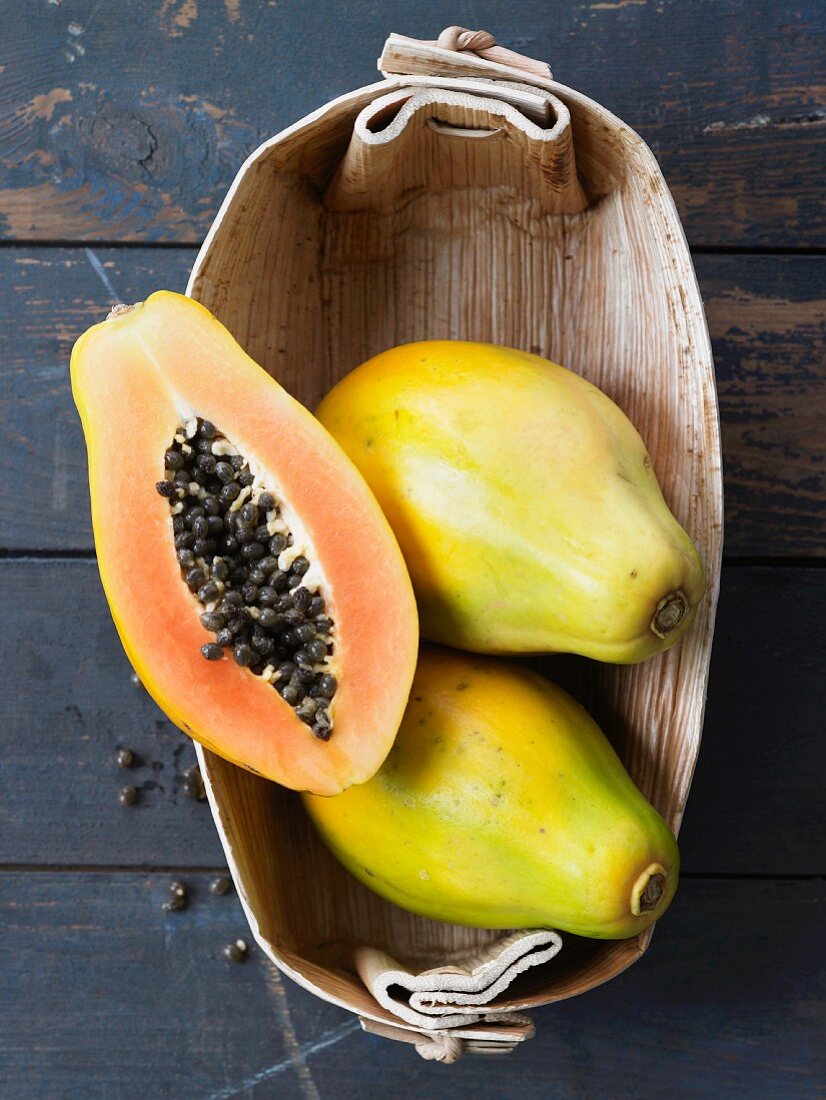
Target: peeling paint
pixel 176 21
pixel 605 6
pixel 42 106
pixel 761 122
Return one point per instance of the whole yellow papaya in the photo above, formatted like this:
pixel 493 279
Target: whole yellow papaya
pixel 502 805
pixel 523 499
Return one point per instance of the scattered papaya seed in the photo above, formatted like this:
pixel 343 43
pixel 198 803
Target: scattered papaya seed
pixel 233 548
pixel 235 952
pixel 220 885
pixel 194 784
pixel 128 796
pixel 177 898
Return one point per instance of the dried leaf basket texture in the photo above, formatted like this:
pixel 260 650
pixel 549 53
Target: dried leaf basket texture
pixel 467 195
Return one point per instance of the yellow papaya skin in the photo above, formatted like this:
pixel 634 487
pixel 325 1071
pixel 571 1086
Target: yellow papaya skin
pixel 502 805
pixel 524 502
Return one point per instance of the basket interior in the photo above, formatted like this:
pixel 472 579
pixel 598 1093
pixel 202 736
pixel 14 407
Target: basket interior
pixel 311 292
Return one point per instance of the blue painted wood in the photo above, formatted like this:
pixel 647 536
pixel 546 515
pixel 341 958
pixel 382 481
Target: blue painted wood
pixel 67 704
pixel 104 995
pixel 126 124
pixel 129 123
pixel 48 297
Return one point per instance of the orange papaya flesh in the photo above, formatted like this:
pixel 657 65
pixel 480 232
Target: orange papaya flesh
pixel 145 382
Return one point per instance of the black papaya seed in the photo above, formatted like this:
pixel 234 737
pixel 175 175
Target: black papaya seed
pixel 317 650
pixel 235 952
pixel 269 618
pixel 327 686
pixel 305 632
pixel 213 620
pixel 220 569
pixel 302 598
pixel 229 561
pixel 229 493
pixel 248 514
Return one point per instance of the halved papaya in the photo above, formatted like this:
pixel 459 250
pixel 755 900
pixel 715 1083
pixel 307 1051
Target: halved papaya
pixel 255 584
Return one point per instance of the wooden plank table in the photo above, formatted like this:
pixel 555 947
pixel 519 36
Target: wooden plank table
pixel 121 126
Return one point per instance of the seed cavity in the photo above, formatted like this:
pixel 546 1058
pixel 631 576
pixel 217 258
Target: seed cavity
pixel 238 558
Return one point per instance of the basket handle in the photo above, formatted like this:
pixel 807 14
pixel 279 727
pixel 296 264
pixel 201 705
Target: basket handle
pixel 448 1046
pixel 462 53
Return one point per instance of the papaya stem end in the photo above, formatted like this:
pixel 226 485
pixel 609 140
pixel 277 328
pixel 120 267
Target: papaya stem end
pixel 671 610
pixel 648 889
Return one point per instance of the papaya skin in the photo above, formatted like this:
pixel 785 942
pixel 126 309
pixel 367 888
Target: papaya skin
pixel 135 378
pixel 523 499
pixel 502 805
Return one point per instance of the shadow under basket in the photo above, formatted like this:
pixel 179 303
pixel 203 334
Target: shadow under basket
pixel 469 198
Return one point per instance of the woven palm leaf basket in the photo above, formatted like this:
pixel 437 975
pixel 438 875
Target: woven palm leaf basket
pixel 468 195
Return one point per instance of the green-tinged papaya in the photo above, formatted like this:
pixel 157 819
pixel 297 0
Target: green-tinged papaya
pixel 502 805
pixel 523 499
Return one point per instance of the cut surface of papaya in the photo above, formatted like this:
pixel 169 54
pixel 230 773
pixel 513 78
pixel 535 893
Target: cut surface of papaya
pixel 255 584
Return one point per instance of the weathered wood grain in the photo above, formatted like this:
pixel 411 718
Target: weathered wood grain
pixel 106 995
pixel 67 702
pixel 757 800
pixel 128 121
pixel 767 316
pixel 47 298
